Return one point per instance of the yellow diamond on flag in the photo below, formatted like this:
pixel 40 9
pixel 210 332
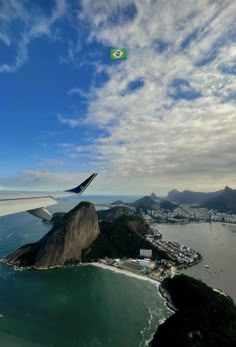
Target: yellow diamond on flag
pixel 118 53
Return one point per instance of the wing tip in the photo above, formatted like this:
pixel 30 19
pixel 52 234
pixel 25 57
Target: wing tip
pixel 82 186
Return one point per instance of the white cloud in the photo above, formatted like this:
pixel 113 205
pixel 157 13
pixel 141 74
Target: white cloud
pixel 45 180
pixel 78 91
pixel 69 121
pixel 185 142
pixel 152 141
pixel 108 183
pixel 5 38
pixel 33 24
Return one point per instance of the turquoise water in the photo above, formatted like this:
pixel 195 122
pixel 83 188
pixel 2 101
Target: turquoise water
pixel 78 307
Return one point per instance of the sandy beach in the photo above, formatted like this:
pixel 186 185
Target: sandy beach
pixel 124 272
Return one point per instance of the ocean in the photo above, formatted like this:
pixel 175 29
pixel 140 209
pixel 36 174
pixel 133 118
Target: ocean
pixel 72 307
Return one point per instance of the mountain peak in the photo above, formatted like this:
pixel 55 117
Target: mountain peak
pixel 227 189
pixel 64 243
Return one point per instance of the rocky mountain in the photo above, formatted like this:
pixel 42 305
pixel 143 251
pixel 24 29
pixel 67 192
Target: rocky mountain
pixel 136 223
pixel 113 213
pixel 203 317
pixel 121 238
pixel 189 197
pixel 77 236
pixel 118 202
pixel 126 216
pixel 224 202
pixel 64 243
pixel 57 217
pixel 167 205
pixel 145 203
pixel 155 197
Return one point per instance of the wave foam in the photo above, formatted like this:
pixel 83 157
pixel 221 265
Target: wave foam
pixel 124 272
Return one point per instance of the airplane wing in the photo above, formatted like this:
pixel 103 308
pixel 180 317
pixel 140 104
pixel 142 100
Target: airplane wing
pixel 36 203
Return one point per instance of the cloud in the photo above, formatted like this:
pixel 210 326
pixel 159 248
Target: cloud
pixel 45 180
pixel 69 121
pixel 32 24
pixel 106 183
pixel 79 92
pixel 180 124
pixel 166 115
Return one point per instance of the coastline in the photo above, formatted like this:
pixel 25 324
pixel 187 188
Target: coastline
pixel 121 271
pixel 191 222
pixel 165 295
pixel 185 266
pixel 162 293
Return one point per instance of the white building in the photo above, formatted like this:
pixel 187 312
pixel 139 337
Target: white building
pixel 147 253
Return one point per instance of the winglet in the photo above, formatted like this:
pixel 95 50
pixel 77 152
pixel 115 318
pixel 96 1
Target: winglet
pixel 80 188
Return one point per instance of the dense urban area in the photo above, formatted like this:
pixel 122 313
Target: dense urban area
pixel 189 213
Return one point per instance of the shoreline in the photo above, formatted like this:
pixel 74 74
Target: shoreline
pixel 123 272
pixel 190 222
pixel 166 296
pixel 185 266
pixel 161 292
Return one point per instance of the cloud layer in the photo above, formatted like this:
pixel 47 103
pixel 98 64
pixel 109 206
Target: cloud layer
pixel 180 125
pixel 166 116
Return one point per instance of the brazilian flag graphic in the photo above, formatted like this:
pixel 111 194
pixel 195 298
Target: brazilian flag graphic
pixel 118 53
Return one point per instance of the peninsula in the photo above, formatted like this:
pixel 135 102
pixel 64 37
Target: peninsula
pixel 119 237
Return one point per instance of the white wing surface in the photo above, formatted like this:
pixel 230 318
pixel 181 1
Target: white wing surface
pixel 36 203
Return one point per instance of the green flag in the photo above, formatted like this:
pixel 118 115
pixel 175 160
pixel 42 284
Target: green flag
pixel 118 53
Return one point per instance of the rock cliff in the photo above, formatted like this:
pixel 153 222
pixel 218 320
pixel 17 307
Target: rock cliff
pixel 63 244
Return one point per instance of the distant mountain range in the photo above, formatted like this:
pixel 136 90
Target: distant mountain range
pixel 148 203
pixel 145 203
pixel 189 197
pixel 223 202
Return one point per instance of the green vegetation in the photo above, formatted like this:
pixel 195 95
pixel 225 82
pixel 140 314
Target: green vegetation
pixel 118 240
pixel 114 213
pixel 204 318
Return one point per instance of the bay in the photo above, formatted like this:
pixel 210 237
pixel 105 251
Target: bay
pixel 217 244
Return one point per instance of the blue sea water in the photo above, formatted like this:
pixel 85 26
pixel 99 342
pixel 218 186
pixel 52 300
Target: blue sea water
pixel 73 307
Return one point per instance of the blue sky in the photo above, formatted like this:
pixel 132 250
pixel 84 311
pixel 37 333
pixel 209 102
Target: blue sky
pixel 163 118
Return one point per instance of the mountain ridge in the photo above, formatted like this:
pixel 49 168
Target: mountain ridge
pixel 224 202
pixel 190 197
